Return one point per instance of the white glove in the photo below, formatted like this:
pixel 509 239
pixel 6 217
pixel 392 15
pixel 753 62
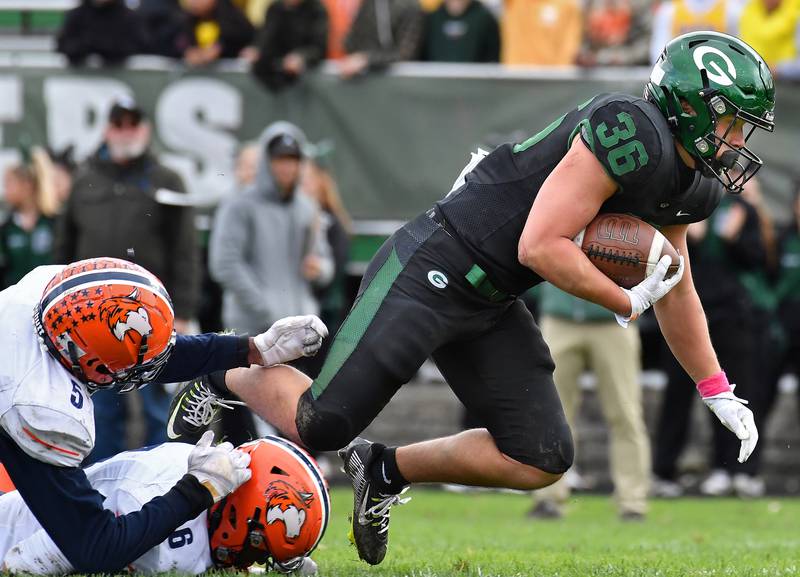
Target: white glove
pixel 651 289
pixel 220 469
pixel 291 338
pixel 732 413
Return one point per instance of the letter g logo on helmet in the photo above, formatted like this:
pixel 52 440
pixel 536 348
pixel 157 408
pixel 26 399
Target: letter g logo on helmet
pixel 712 65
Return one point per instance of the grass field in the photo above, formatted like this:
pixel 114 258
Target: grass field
pixel 486 534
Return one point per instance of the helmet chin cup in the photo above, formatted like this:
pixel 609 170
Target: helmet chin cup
pixel 732 167
pixel 728 159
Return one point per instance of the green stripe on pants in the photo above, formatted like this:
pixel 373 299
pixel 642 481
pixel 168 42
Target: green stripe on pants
pixel 357 322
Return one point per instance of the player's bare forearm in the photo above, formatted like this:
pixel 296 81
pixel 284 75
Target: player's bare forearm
pixel 563 264
pixel 568 200
pixel 683 322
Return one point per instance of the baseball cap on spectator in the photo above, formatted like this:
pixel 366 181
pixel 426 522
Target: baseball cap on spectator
pixel 284 145
pixel 125 107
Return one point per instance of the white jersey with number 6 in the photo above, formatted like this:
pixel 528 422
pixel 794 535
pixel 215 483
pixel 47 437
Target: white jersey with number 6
pixel 128 480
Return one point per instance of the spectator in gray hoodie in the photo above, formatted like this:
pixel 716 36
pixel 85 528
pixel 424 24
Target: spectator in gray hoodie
pixel 266 248
pixel 268 252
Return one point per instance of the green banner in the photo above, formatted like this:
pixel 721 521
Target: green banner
pixel 400 138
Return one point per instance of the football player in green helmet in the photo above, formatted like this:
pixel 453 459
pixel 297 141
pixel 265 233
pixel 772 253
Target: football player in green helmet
pixel 706 79
pixel 445 286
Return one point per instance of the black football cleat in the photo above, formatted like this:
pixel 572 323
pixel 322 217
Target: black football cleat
pixel 193 409
pixel 369 529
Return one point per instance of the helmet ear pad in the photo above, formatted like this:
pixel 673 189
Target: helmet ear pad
pixel 108 321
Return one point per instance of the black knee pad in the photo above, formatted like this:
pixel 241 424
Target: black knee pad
pixel 321 429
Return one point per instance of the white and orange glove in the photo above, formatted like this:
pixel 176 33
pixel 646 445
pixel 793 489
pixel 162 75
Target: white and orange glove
pixel 731 411
pixel 291 338
pixel 651 289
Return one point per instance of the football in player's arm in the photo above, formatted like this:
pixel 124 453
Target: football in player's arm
pixel 107 323
pixel 287 486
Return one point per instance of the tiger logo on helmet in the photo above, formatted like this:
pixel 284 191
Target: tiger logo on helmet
pixel 287 505
pixel 126 315
pixel 279 516
pixel 108 321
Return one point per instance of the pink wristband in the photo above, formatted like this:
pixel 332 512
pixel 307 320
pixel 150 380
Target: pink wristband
pixel 714 385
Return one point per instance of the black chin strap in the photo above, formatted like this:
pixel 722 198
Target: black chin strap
pixel 254 549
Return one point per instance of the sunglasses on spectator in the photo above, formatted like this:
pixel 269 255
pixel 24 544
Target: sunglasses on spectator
pixel 126 119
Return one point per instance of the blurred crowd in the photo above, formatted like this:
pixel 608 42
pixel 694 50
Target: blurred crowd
pixel 281 39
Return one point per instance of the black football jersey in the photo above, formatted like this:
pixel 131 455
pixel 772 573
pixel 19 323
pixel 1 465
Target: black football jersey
pixel 489 205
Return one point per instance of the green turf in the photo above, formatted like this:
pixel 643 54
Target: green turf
pixel 483 535
pixel 442 534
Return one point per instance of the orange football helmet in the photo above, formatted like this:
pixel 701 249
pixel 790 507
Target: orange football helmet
pixel 108 321
pixel 278 516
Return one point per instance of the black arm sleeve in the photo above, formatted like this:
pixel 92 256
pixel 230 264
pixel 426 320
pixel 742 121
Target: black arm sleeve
pixel 197 355
pixel 92 538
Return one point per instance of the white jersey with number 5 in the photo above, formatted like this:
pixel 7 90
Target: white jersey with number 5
pixel 43 408
pixel 128 480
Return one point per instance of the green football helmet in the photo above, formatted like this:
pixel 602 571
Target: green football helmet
pixel 717 75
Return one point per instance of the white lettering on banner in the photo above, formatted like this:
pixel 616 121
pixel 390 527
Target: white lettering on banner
pixel 11 106
pixel 196 116
pixel 77 111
